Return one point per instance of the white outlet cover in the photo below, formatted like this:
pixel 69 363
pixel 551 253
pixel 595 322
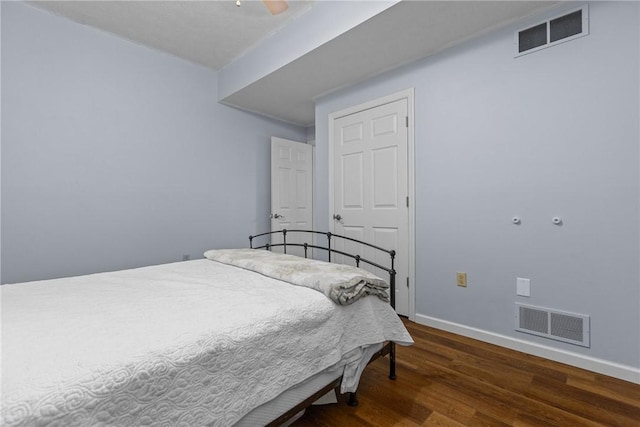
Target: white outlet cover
pixel 523 287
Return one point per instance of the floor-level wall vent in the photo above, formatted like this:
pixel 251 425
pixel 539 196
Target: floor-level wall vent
pixel 558 325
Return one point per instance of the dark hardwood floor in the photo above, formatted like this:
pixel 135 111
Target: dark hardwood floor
pixel 449 380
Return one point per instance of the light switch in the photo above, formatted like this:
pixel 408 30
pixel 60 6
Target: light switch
pixel 523 287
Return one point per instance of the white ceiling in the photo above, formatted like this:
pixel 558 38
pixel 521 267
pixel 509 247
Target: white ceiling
pixel 211 33
pixel 214 33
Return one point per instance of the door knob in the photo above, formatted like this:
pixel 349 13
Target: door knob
pixel 337 217
pixel 276 216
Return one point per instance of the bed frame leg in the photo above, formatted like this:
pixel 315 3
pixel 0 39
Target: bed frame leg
pixel 392 362
pixel 353 399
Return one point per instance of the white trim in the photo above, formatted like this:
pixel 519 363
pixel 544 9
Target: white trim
pixel 601 366
pixel 409 95
pixel 313 194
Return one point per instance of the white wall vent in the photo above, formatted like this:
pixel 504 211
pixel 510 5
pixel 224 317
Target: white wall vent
pixel 551 32
pixel 558 325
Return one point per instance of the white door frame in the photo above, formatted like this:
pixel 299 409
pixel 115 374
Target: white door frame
pixel 407 94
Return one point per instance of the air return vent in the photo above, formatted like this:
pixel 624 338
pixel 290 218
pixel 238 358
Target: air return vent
pixel 558 325
pixel 559 29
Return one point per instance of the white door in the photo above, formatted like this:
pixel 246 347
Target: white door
pixel 370 186
pixel 291 189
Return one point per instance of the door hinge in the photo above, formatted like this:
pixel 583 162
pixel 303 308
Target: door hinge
pixel 407 201
pixel 407 282
pixel 406 121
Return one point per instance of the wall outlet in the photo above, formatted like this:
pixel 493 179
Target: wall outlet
pixel 461 279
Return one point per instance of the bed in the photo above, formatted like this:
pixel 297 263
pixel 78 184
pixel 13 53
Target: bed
pixel 244 336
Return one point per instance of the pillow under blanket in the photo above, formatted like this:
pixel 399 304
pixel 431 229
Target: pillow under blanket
pixel 343 284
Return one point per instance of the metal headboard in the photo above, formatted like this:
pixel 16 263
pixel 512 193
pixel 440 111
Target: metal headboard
pixel 358 259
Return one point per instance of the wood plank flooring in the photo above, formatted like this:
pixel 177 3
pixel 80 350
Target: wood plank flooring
pixel 449 380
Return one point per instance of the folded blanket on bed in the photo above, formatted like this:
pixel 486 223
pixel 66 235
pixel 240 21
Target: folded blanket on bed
pixel 343 284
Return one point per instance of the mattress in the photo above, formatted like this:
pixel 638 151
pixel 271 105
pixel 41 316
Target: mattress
pixel 189 343
pixel 264 414
pixel 288 399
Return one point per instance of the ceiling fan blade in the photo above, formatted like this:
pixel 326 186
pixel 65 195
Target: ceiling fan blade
pixel 276 6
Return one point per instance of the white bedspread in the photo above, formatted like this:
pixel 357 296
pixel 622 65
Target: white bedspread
pixel 183 344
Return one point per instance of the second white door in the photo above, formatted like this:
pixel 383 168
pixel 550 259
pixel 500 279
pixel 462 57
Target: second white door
pixel 291 189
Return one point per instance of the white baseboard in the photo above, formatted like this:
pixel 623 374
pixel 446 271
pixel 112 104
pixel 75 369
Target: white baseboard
pixel 616 370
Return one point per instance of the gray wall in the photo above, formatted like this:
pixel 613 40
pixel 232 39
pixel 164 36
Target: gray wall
pixel 553 133
pixel 115 155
